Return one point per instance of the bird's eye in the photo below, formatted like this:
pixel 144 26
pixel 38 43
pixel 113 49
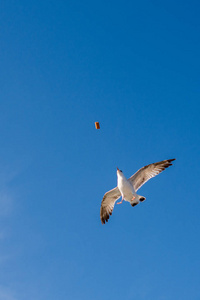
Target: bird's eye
pixel 120 170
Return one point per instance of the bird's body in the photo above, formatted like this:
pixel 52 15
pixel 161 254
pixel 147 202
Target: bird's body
pixel 127 188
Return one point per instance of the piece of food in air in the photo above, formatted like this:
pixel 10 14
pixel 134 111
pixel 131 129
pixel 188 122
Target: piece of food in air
pixel 97 125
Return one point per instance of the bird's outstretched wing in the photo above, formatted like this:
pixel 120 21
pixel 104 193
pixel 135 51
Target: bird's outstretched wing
pixel 147 172
pixel 107 204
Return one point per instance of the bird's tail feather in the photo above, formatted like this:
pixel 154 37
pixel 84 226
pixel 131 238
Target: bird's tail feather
pixel 137 199
pixel 141 198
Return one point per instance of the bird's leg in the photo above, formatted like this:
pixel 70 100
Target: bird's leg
pixel 120 201
pixel 133 198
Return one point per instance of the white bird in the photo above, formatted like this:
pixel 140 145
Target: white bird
pixel 127 188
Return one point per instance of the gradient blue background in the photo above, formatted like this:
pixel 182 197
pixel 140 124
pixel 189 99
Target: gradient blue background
pixel 134 67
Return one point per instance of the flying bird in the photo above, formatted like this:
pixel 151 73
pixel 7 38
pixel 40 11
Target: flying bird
pixel 127 188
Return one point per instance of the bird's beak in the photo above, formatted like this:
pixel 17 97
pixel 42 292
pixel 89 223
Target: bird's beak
pixel 117 169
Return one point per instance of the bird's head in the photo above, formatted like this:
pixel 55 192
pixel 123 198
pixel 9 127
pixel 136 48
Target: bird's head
pixel 119 171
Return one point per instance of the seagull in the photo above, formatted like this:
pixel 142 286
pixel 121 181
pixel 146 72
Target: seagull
pixel 127 188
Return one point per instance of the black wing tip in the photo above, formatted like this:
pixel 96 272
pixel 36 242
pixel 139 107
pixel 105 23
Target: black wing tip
pixel 104 220
pixel 164 163
pixel 105 217
pixel 167 163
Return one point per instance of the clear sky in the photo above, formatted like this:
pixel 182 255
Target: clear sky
pixel 134 67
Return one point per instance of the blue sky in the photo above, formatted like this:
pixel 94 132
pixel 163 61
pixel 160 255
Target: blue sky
pixel 134 67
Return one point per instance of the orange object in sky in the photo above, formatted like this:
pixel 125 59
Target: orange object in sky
pixel 97 125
